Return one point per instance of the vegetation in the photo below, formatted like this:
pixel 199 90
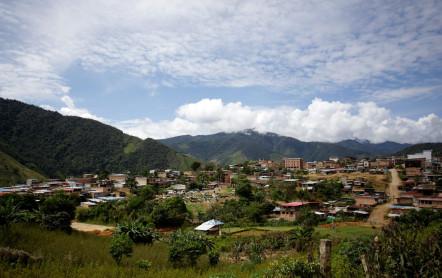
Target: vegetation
pixel 187 247
pixel 121 245
pixel 250 208
pixel 436 147
pixel 228 148
pixel 138 232
pixel 57 145
pixel 292 268
pixel 13 172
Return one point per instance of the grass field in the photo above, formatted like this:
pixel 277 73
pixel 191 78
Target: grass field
pixel 86 255
pixel 340 232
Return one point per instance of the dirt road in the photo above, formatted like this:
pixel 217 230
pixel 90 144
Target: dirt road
pixel 377 215
pixel 92 228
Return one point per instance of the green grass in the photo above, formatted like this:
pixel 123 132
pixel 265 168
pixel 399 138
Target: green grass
pixel 337 233
pixel 12 171
pixel 346 232
pixel 86 255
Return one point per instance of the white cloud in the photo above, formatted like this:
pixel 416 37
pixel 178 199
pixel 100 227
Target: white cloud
pixel 404 93
pixel 296 45
pixel 70 109
pixel 320 121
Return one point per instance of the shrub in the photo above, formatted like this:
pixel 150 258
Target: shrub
pixel 287 268
pixel 255 251
pixel 121 245
pixel 170 213
pixel 138 232
pixel 187 247
pixel 144 264
pixel 213 257
pixel 57 221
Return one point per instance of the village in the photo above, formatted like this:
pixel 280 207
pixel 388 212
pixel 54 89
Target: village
pixel 370 190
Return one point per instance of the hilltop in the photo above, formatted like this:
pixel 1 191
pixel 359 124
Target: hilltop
pixel 56 145
pixel 251 145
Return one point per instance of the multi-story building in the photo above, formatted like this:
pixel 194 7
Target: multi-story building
pixel 293 163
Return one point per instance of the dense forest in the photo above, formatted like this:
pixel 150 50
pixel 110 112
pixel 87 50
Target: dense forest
pixel 251 145
pixel 436 147
pixel 56 145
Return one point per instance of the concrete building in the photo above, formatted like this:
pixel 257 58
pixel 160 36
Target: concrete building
pixel 426 154
pixel 293 163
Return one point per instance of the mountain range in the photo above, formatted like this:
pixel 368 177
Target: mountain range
pixel 38 143
pixel 57 146
pixel 251 145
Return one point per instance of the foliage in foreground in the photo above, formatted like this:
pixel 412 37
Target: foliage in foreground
pixel 121 245
pixel 291 268
pixel 187 247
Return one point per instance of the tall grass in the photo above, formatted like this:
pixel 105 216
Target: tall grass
pixel 86 255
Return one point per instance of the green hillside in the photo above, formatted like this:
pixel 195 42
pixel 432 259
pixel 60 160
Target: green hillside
pixel 417 148
pixel 250 145
pixel 13 172
pixel 57 145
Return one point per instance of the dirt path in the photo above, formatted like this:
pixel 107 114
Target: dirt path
pixel 92 228
pixel 377 215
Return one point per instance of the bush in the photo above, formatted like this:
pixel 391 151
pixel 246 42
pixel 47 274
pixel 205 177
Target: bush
pixel 144 264
pixel 121 245
pixel 213 257
pixel 187 247
pixel 82 214
pixel 255 251
pixel 170 213
pixel 292 268
pixel 410 246
pixel 138 232
pixel 57 221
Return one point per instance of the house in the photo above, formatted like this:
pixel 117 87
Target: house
pixel 178 188
pixel 366 200
pixel 433 202
pixel 290 211
pixel 141 181
pixel 211 227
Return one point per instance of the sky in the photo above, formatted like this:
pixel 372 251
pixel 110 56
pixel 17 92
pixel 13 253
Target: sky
pixel 313 70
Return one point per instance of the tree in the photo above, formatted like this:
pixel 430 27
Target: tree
pixel 138 232
pixel 409 246
pixel 57 212
pixel 131 183
pixel 243 188
pixel 187 247
pixel 170 213
pixel 121 245
pixel 57 221
pixel 8 212
pixel 195 165
pixel 307 218
pixel 301 237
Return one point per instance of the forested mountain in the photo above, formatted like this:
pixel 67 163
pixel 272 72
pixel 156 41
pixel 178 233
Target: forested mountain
pixel 251 145
pixel 385 148
pixel 417 148
pixel 57 145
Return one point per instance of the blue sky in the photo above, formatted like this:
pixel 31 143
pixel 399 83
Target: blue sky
pixel 314 70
